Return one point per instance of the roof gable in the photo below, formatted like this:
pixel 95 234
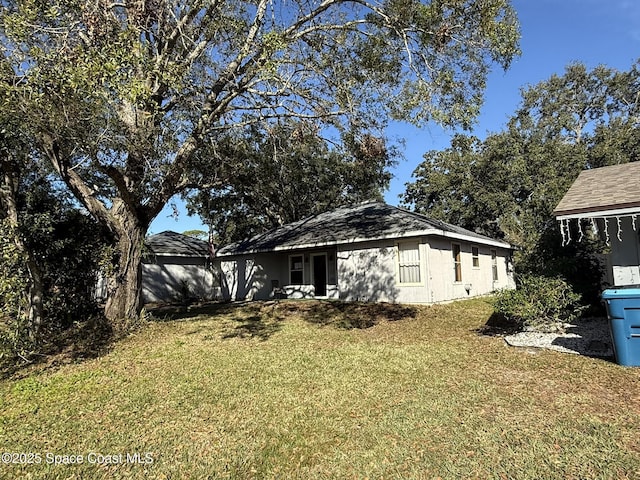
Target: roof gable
pixel 176 244
pixel 351 224
pixel 602 189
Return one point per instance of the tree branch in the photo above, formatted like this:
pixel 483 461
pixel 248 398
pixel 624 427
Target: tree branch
pixel 80 189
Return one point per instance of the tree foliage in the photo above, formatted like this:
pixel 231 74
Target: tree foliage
pixel 129 101
pixel 508 185
pixel 66 244
pixel 14 280
pixel 288 172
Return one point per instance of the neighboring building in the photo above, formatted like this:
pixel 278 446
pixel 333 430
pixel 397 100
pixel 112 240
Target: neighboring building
pixel 177 267
pixel 368 252
pixel 607 201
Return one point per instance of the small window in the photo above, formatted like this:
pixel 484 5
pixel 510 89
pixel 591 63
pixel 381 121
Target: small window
pixel 475 255
pixel 457 262
pixel 296 269
pixel 494 265
pixel 409 262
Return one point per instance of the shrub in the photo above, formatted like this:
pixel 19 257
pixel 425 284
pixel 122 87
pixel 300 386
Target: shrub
pixel 540 303
pixel 15 339
pixel 66 245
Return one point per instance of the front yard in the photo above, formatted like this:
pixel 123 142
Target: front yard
pixel 323 390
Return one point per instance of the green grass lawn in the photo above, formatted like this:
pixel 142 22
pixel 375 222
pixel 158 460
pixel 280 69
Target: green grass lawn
pixel 325 390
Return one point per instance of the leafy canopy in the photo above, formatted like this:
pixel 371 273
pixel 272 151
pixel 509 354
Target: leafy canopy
pixel 124 95
pixel 508 185
pixel 288 172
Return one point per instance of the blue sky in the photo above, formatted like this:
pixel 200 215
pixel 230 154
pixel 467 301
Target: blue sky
pixel 554 34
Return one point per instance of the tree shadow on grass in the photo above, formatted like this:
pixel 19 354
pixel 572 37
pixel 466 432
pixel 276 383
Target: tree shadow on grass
pixel 346 315
pixel 253 321
pixel 178 311
pixel 240 319
pixel 498 326
pixel 261 320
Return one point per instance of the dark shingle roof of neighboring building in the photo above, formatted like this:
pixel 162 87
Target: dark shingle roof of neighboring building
pixel 602 189
pixel 351 224
pixel 175 244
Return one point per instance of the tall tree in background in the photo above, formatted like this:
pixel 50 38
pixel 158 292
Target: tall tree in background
pixel 49 249
pixel 508 185
pixel 18 289
pixel 125 99
pixel 288 172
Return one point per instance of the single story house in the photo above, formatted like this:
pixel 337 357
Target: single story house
pixel 606 201
pixel 177 267
pixel 367 252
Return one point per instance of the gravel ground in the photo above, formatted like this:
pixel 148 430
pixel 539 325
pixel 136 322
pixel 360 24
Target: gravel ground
pixel 590 337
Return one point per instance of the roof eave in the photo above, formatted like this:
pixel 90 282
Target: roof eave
pixel 185 255
pixel 417 233
pixel 597 213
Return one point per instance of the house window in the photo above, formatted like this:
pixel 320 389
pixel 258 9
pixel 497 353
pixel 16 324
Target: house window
pixel 457 262
pixel 475 255
pixel 409 262
pixel 494 265
pixel 296 269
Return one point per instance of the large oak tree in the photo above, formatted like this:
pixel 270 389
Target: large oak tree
pixel 129 100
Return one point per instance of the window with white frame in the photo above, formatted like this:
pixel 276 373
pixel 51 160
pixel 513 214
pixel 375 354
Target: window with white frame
pixel 475 256
pixel 296 269
pixel 457 262
pixel 494 264
pixel 409 262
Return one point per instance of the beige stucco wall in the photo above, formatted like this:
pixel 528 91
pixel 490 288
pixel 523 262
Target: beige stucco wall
pixel 475 280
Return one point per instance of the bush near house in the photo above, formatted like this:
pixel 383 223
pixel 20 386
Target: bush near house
pixel 539 302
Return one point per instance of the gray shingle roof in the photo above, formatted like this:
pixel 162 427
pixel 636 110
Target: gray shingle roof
pixel 351 224
pixel 176 244
pixel 602 189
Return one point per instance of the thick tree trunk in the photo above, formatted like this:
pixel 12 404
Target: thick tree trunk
pixel 127 219
pixel 124 302
pixel 36 297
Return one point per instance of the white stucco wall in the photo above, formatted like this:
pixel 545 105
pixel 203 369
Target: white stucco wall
pixel 253 277
pixel 166 279
pixel 475 280
pixel 368 271
pixel 248 277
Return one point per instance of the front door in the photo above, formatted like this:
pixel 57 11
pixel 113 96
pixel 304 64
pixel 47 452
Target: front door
pixel 319 265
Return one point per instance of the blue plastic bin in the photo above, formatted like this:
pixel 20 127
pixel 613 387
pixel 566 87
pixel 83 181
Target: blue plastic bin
pixel 623 310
